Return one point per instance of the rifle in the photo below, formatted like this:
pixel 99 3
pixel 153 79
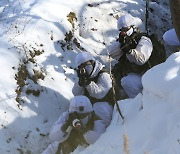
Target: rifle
pixel 113 90
pixel 114 96
pixel 74 140
pixel 147 16
pixel 113 83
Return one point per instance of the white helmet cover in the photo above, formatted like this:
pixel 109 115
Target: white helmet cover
pixel 83 57
pixel 127 20
pixel 80 104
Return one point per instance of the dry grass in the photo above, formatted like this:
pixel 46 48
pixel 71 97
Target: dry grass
pixel 126 145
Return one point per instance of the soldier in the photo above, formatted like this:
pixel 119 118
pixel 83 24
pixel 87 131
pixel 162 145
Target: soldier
pixel 133 56
pixel 77 126
pixel 95 83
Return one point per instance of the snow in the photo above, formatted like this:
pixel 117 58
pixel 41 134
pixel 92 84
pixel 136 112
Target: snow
pixel 151 123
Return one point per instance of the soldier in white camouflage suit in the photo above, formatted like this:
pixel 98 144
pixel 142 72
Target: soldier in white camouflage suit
pixel 77 126
pixel 95 83
pixel 133 54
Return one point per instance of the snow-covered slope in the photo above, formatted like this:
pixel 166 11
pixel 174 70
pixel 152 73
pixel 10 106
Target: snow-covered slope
pixel 152 122
pixel 39 41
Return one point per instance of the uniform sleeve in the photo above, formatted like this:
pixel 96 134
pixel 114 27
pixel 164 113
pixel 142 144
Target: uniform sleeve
pixel 115 51
pixel 77 90
pixel 142 52
pixel 56 134
pixel 101 88
pixel 91 136
pixel 52 148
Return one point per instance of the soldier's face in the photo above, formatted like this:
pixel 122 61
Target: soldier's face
pixel 123 30
pixel 87 67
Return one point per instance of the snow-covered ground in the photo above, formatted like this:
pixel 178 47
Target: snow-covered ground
pixel 39 41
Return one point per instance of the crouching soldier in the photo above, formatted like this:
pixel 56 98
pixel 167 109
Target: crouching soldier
pixel 135 50
pixel 95 83
pixel 77 126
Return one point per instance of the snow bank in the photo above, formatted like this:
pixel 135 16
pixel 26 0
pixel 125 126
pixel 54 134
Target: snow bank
pixel 152 123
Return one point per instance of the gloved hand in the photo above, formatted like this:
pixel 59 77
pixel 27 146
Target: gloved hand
pixel 126 48
pixel 84 81
pixel 131 45
pixel 122 39
pixel 76 123
pixel 69 122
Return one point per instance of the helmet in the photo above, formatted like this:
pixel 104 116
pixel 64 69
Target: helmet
pixel 83 57
pixel 80 104
pixel 126 21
